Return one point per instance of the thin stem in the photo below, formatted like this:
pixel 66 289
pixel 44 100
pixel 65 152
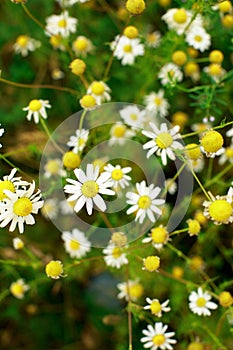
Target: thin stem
pixel 207 129
pixel 43 124
pixel 3 157
pixel 82 119
pixel 107 222
pixel 178 252
pixel 32 17
pixel 201 186
pixel 178 231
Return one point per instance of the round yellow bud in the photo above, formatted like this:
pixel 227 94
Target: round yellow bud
pixel 191 68
pixel 88 102
pixel 164 3
pixel 199 216
pixel 177 272
pixel 193 52
pixel 180 16
pixel 215 69
pixel 179 118
pixel 195 346
pixel 194 227
pixel 193 151
pixel 54 269
pixel 55 40
pixel 196 263
pixel 77 66
pixel 212 141
pixel 225 6
pixel 131 32
pixel 216 56
pixel 71 160
pixel 135 7
pixel 151 263
pixel 227 21
pixel 119 238
pixel 220 210
pixel 179 57
pixel 225 299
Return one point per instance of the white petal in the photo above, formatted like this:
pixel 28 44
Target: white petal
pixel 99 202
pixel 79 204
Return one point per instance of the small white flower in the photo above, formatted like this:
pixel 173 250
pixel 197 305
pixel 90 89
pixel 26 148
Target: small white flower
pixel 100 91
pixel 227 155
pixel 82 46
pixel 199 303
pixel 88 188
pixel 76 244
pixel 19 288
pixel 158 236
pixel 54 167
pixel 156 308
pixel 171 186
pixel 24 44
pixel 127 50
pixel 198 164
pixel 50 208
pixel 153 39
pixel 156 103
pixel 215 71
pixel 115 256
pixel 37 108
pixel 144 202
pixel 198 38
pixel 177 19
pixel 156 337
pixel 119 133
pixel 18 243
pixel 163 141
pixel 78 142
pixel 118 175
pixel 170 73
pixel 133 116
pixel 60 24
pixel 1 133
pixel 19 206
pixel 130 290
pixel 219 209
pixel 10 183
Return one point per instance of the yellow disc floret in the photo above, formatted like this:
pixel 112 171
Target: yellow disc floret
pixel 216 56
pixel 155 307
pixel 212 141
pixel 90 189
pixel 119 238
pixel 117 174
pixel 17 289
pixel 80 44
pixel 225 6
pixel 227 21
pixel 225 299
pixel 144 202
pixel 131 32
pixel 179 57
pixel 164 140
pixel 88 102
pixel 193 151
pixel 179 118
pixel 54 269
pixel 116 252
pixel 195 346
pixel 194 227
pixel 97 88
pixel 22 40
pixel 180 16
pixel 74 245
pixel 22 207
pixel 159 235
pixel 6 185
pixel 151 263
pixel 136 291
pixel 158 339
pixel 201 302
pixel 220 210
pixel 119 130
pixel 191 68
pixel 215 69
pixel 77 67
pixel 35 105
pixel 71 160
pixel 135 7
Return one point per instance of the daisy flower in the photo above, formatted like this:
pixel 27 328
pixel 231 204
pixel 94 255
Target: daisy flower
pixel 18 244
pixel 156 307
pixel 156 337
pixel 119 133
pixel 130 290
pixel 156 103
pixel 36 108
pixel 10 183
pixel 76 244
pixel 198 38
pixel 19 206
pixel 24 44
pixel 54 269
pixel 215 71
pixel 170 73
pixel 78 142
pixel 100 91
pixel 133 116
pixel 219 209
pixel 153 39
pixel 158 236
pixel 115 256
pixel 54 167
pixel 88 188
pixel 177 19
pixel 19 288
pixel 127 50
pixel 1 133
pixel 61 24
pixel 163 141
pixel 82 46
pixel 144 202
pixel 118 175
pixel 199 303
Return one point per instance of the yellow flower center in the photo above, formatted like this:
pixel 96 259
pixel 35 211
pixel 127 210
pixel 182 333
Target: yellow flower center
pixel 119 131
pixel 180 16
pixel 17 289
pixel 97 88
pixel 81 44
pixel 225 6
pixel 193 227
pixel 225 299
pixel 62 23
pixel 127 48
pixel 198 38
pixel 215 69
pixel 22 40
pixel 35 105
pixel 201 302
pixel 191 68
pixel 131 32
pixel 229 152
pixel 116 252
pixel 90 189
pixel 74 245
pixel 212 141
pixel 22 207
pixel 177 272
pixel 117 174
pixel 152 263
pixel 152 38
pixel 77 66
pixel 133 116
pixel 195 346
pixel 164 140
pixel 159 235
pixel 54 269
pixel 158 339
pixel 135 291
pixel 55 40
pixel 88 101
pixel 216 56
pixel 227 21
pixel 196 263
pixel 52 166
pixel 144 202
pixel 6 185
pixel 155 307
pixel 158 101
pixel 135 6
pixel 193 151
pixel 220 210
pixel 179 57
pixel 119 238
pixel 71 160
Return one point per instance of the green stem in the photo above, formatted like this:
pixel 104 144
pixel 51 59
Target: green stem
pixel 178 231
pixel 32 17
pixel 20 263
pixel 178 252
pixel 43 124
pixel 214 338
pixel 3 157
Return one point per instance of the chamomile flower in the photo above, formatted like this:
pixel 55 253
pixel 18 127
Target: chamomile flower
pixel 10 183
pixel 36 108
pixel 157 338
pixel 115 255
pixel 24 44
pixel 144 202
pixel 219 209
pixel 118 175
pixel 170 73
pixel 100 91
pixel 127 50
pixel 19 206
pixel 227 155
pixel 54 269
pixel 76 244
pixel 156 307
pixel 18 244
pixel 158 236
pixel 1 133
pixel 66 207
pixel 130 290
pixel 54 167
pixel 177 19
pixel 133 116
pixel 171 186
pixel 61 24
pixel 119 133
pixel 78 142
pixel 163 141
pixel 88 188
pixel 211 143
pixel 198 165
pixel 19 288
pixel 153 39
pixel 82 46
pixel 215 71
pixel 156 103
pixel 200 304
pixel 198 38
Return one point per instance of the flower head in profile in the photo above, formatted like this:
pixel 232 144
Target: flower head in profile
pixel 130 290
pixel 61 24
pixel 36 108
pixel 219 209
pixel 19 288
pixel 82 46
pixel 177 19
pixel 88 189
pixel 76 244
pixel 115 255
pixel 54 269
pixel 163 141
pixel 100 91
pixel 24 44
pixel 156 307
pixel 127 50
pixel 144 202
pixel 18 244
pixel 158 236
pixel 200 304
pixel 153 39
pixel 157 338
pixel 118 175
